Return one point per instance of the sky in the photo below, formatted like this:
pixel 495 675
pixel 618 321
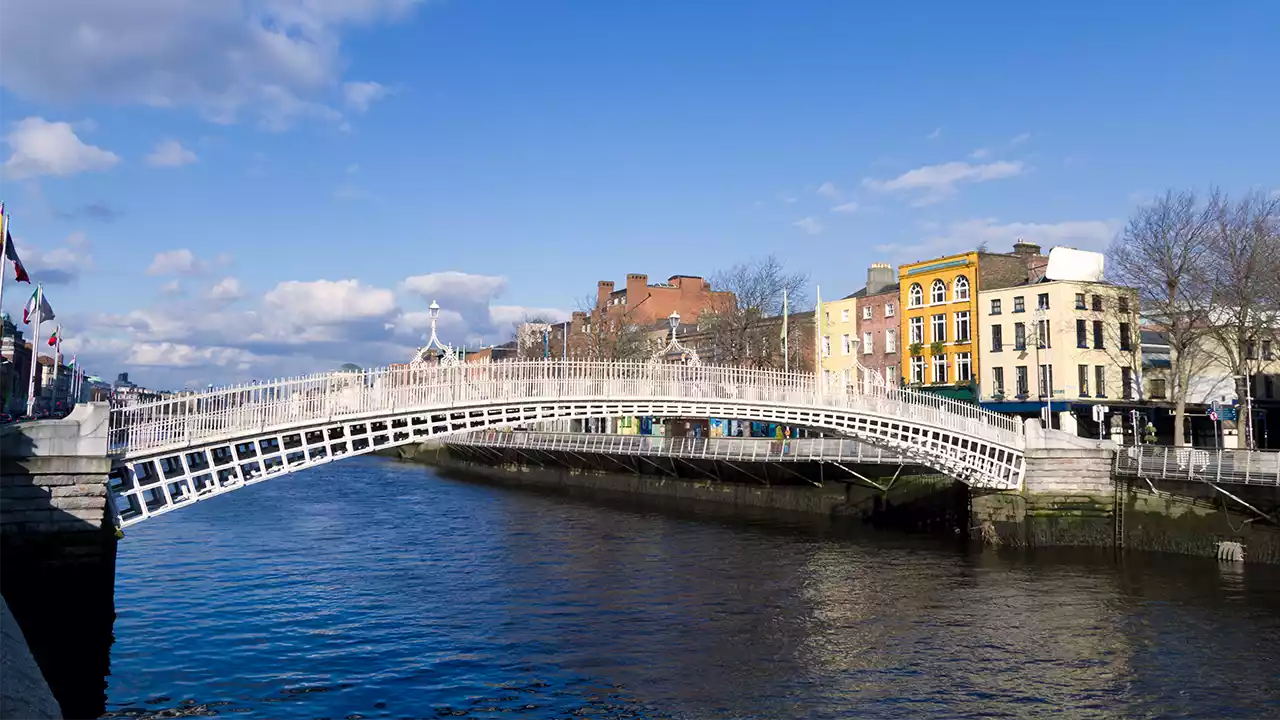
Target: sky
pixel 214 191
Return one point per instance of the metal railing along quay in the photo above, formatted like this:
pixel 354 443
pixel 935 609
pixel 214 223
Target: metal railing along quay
pixel 1161 462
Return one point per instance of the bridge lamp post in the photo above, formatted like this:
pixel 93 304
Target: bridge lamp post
pixel 674 320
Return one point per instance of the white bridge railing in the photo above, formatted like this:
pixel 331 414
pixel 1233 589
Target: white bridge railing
pixel 1161 462
pixel 231 412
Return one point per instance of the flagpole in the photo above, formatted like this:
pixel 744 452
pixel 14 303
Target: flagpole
pixel 4 254
pixel 786 352
pixel 35 355
pixel 57 360
pixel 817 343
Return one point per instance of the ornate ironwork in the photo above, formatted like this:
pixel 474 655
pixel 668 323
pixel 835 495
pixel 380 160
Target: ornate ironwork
pixel 685 355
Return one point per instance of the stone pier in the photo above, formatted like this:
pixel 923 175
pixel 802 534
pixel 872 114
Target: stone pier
pixel 58 542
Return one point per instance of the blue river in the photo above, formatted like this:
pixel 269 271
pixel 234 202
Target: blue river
pixel 376 589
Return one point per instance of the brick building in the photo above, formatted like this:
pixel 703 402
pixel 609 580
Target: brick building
pixel 879 349
pixel 642 303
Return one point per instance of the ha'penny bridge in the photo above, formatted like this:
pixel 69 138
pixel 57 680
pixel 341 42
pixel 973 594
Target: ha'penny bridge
pixel 175 452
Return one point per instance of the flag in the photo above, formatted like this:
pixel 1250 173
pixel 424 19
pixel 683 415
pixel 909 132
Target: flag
pixel 53 339
pixel 73 361
pixel 46 311
pixel 11 254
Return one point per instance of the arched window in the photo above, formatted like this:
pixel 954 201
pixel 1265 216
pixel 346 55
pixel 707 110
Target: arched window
pixel 915 296
pixel 960 288
pixel 938 292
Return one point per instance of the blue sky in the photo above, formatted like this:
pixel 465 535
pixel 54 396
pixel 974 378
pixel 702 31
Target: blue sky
pixel 223 189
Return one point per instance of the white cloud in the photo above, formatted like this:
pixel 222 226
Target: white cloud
pixel 937 133
pixel 939 182
pixel 227 288
pixel 59 265
pixel 329 302
pixel 787 198
pixel 279 60
pixel 453 284
pixel 829 190
pixel 175 262
pixel 360 95
pixel 981 153
pixel 810 225
pixel 848 208
pixel 999 237
pixel 170 153
pixel 178 355
pixel 171 288
pixel 1019 139
pixel 40 147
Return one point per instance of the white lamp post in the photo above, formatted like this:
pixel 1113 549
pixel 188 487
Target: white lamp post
pixel 674 320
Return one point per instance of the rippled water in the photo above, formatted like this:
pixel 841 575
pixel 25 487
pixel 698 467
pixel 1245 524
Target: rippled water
pixel 374 589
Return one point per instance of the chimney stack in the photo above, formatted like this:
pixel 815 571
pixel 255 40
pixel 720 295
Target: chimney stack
pixel 879 277
pixel 1022 247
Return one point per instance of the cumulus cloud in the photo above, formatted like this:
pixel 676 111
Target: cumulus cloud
pixel 810 225
pixel 227 288
pixel 937 133
pixel 170 153
pixel 279 60
pixel 453 284
pixel 999 237
pixel 938 182
pixel 360 95
pixel 41 147
pixel 848 208
pixel 329 302
pixel 175 262
pixel 58 265
pixel 1020 138
pixel 829 190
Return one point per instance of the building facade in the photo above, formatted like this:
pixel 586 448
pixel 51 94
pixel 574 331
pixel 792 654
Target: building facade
pixel 879 346
pixel 939 313
pixel 839 342
pixel 642 303
pixel 1061 340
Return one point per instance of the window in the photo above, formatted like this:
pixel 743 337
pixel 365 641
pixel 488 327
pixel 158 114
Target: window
pixel 1124 303
pixel 995 306
pixel 1042 334
pixel 917 370
pixel 1083 380
pixel 844 375
pixel 866 312
pixel 997 381
pixel 915 326
pixel 1082 333
pixel 826 345
pixel 939 328
pixel 1018 304
pixel 1046 381
pixel 1019 336
pixel 1157 391
pixel 1021 375
pixel 964 367
pixel 888 309
pixel 1042 301
pixel 844 315
pixel 1080 302
pixel 1268 387
pixel 891 341
pixel 891 375
pixel 1266 350
pixel 960 288
pixel 1097 335
pixel 1100 380
pixel 939 369
pixel 1097 302
pixel 826 317
pixel 846 344
pixel 1126 380
pixel 915 296
pixel 938 292
pixel 1125 337
pixel 867 343
pixel 997 338
pixel 1250 350
pixel 962 326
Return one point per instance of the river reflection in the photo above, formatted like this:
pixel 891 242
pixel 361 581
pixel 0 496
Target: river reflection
pixel 374 589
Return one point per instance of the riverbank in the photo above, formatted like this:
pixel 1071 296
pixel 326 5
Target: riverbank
pixel 1070 499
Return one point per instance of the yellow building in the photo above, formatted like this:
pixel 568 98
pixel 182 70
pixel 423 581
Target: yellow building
pixel 839 341
pixel 939 326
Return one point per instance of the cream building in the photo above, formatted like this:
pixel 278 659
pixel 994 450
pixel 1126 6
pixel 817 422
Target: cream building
pixel 840 341
pixel 1066 340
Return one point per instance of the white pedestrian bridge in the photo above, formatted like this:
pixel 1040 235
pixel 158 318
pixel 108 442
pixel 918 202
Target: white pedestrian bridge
pixel 187 448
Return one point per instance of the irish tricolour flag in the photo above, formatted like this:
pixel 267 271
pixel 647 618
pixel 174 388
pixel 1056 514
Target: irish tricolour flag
pixel 37 300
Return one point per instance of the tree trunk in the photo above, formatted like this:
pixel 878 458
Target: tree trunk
pixel 1180 421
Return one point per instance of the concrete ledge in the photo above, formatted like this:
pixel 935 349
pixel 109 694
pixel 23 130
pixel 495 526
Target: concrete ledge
pixel 24 693
pixel 13 465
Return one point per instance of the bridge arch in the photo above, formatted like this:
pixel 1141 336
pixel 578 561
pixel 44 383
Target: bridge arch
pixel 185 449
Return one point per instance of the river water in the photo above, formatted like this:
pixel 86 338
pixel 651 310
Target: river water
pixel 369 588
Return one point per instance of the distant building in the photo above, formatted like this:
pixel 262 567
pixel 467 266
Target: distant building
pixel 879 349
pixel 839 342
pixel 642 303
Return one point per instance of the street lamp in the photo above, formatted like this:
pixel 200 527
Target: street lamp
pixel 674 320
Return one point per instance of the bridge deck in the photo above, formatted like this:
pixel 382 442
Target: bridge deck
pixel 734 449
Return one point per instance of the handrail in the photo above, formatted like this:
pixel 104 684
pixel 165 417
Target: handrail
pixel 1163 462
pixel 300 401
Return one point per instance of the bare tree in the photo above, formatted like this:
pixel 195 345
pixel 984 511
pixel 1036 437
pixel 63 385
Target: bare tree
pixel 529 336
pixel 746 330
pixel 1244 271
pixel 610 333
pixel 1163 253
